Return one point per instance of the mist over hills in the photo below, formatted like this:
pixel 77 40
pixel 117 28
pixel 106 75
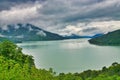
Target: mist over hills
pixel 26 32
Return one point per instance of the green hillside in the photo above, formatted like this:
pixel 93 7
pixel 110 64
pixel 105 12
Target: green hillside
pixel 111 38
pixel 14 65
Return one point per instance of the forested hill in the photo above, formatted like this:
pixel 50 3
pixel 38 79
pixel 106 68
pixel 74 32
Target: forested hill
pixel 26 32
pixel 14 65
pixel 111 38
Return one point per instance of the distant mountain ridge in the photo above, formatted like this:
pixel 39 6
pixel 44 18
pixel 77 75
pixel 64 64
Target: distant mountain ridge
pixel 26 32
pixel 75 36
pixel 111 38
pixel 97 35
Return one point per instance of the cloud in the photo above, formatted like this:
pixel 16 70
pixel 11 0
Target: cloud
pixel 63 15
pixel 7 4
pixel 19 14
pixel 90 28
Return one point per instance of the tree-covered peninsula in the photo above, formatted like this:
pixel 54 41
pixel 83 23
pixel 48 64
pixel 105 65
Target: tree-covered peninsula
pixel 111 38
pixel 14 65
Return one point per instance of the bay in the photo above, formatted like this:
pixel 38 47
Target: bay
pixel 75 55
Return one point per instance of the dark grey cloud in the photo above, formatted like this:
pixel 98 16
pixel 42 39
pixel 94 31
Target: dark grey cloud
pixel 7 4
pixel 80 10
pixel 90 29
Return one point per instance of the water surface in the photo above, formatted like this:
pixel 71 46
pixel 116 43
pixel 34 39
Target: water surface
pixel 71 55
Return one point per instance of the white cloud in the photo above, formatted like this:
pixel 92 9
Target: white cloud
pixel 2 35
pixel 18 14
pixel 20 36
pixel 4 27
pixel 91 28
pixel 41 33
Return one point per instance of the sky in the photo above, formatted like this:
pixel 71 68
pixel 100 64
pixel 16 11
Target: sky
pixel 65 17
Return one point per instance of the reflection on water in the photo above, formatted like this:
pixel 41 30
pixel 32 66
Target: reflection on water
pixel 71 55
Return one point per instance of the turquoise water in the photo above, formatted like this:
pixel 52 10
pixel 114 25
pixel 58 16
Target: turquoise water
pixel 71 55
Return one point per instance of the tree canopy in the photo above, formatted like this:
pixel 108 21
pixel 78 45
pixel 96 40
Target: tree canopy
pixel 14 65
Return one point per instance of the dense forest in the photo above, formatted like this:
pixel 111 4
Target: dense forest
pixel 14 65
pixel 111 38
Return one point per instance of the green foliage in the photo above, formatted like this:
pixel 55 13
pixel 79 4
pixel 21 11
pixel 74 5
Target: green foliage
pixel 112 38
pixel 8 49
pixel 12 51
pixel 14 65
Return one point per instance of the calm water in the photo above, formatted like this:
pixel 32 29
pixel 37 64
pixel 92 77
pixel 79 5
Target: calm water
pixel 71 55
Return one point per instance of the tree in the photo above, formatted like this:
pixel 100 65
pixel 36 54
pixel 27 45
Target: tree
pixel 7 48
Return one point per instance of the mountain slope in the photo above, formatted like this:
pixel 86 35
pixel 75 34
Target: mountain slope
pixel 111 38
pixel 97 35
pixel 27 32
pixel 75 36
